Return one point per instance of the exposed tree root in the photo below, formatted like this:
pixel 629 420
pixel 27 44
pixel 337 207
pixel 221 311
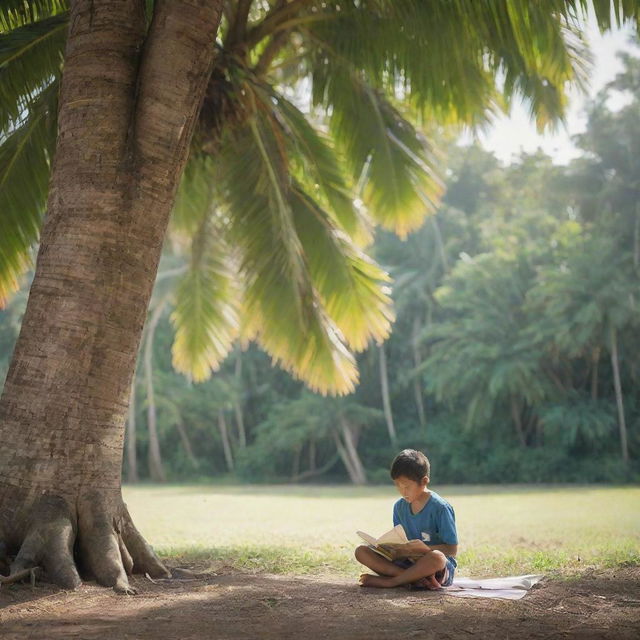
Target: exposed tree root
pixel 103 538
pixel 20 575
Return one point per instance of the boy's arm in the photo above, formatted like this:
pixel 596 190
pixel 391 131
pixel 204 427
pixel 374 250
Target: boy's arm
pixel 447 549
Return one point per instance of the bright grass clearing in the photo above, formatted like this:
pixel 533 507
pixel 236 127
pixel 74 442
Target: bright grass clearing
pixel 311 529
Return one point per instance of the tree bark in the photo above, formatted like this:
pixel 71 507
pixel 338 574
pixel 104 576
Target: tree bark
pixel 132 456
pixel 386 400
pixel 128 104
pixel 622 425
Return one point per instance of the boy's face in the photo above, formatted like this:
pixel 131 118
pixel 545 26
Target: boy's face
pixel 409 489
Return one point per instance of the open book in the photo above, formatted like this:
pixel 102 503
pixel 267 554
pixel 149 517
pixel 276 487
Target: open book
pixel 386 542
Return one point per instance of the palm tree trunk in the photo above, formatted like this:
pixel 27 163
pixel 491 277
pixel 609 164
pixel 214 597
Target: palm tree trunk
pixel 349 454
pixel 312 455
pixel 349 438
pixel 129 100
pixel 622 425
pixel 346 460
pixel 516 414
pixel 386 400
pixel 156 470
pixel 132 458
pixel 594 373
pixel 237 403
pixel 295 467
pixel 417 361
pixel 441 250
pixel 636 238
pixel 186 443
pixel 310 473
pixel 226 445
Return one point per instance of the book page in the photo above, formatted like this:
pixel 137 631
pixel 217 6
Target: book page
pixel 395 536
pixel 370 540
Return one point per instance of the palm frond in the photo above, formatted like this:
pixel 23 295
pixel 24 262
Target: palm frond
pixel 453 59
pixel 282 309
pixel 402 183
pixel 195 197
pixel 610 12
pixel 25 156
pixel 206 314
pixel 351 285
pixel 405 47
pixel 30 60
pixel 16 13
pixel 319 168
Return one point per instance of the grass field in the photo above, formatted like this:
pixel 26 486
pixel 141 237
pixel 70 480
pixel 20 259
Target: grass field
pixel 311 529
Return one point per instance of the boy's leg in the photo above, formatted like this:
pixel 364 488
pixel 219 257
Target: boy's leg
pixel 424 567
pixel 376 562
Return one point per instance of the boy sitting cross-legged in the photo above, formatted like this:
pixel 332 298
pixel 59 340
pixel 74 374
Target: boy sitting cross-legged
pixel 428 559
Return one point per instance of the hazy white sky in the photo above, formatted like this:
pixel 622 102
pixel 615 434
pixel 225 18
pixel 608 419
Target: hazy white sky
pixel 511 135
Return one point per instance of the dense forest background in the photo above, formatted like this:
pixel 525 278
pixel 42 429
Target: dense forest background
pixel 515 355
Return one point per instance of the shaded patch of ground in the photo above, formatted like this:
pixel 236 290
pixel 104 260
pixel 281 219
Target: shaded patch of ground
pixel 225 605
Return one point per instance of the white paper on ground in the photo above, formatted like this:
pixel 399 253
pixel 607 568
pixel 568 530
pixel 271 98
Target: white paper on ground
pixel 511 588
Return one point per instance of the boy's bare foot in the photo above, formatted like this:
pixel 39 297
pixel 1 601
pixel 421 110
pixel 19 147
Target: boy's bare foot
pixel 381 582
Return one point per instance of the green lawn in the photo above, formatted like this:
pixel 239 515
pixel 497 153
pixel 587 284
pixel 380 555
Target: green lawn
pixel 301 529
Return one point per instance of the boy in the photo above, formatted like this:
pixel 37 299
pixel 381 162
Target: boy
pixel 428 559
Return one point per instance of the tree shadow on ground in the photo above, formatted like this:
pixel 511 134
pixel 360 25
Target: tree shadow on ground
pixel 238 606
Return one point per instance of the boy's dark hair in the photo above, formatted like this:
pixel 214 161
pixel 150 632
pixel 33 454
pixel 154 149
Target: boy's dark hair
pixel 411 464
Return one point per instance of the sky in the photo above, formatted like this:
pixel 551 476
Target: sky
pixel 509 136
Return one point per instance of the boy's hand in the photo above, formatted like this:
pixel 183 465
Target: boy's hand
pixel 411 548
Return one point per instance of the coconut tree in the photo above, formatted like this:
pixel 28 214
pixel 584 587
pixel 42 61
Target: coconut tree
pixel 124 128
pixel 482 352
pixel 103 101
pixel 587 302
pixel 309 423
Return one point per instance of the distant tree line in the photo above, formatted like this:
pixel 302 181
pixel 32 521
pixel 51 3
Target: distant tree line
pixel 514 355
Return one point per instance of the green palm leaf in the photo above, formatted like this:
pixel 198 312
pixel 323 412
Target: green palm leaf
pixel 195 198
pixel 402 182
pixel 25 156
pixel 283 310
pixel 208 295
pixel 350 284
pixel 406 48
pixel 318 165
pixel 30 60
pixel 205 318
pixel 16 13
pixel 445 55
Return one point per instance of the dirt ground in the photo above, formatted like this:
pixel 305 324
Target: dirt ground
pixel 223 604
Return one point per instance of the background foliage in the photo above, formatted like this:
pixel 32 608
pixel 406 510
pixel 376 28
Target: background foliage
pixel 513 357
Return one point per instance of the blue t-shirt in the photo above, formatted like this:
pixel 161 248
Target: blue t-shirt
pixel 434 524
